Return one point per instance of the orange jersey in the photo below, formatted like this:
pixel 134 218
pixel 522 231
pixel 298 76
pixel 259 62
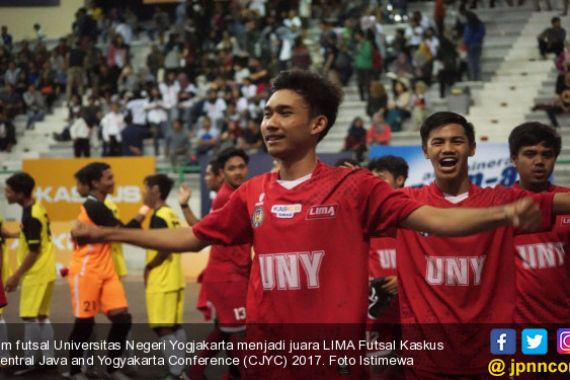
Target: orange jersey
pixel 91 258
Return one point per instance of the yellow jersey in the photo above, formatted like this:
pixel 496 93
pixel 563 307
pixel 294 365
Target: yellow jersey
pixel 117 248
pixel 35 234
pixel 167 276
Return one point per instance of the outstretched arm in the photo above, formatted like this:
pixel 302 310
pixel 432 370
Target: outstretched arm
pixel 169 240
pixel 523 214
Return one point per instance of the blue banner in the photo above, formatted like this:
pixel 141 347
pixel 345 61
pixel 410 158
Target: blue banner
pixel 490 166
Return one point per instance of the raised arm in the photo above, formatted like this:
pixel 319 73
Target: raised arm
pixel 184 195
pixel 169 240
pixel 524 214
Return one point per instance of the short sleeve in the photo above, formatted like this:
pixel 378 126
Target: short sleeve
pixel 32 230
pixel 229 225
pixel 100 214
pixel 385 208
pixel 158 222
pixel 545 202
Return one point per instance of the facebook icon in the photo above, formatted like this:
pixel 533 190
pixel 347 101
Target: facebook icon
pixel 503 341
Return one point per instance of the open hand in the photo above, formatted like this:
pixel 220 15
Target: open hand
pixel 184 194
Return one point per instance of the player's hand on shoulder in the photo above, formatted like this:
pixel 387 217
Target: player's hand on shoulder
pixel 524 214
pixel 83 233
pixel 184 194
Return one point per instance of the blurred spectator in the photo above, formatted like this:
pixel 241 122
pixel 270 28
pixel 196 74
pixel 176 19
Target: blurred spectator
pixel 399 108
pixel 473 37
pixel 11 75
pixel 551 40
pixel 379 132
pixel 423 62
pixel 401 67
pixel 7 132
pixel 252 141
pixel 156 117
pixel 355 139
pixel 563 60
pixel 419 105
pixel 214 108
pixel 132 138
pixel 76 70
pixel 231 134
pixel 363 64
pixel 208 136
pixel 333 63
pixel 48 88
pixel 445 65
pixel 7 39
pixel 81 136
pixel 111 126
pixel 561 104
pixel 414 33
pixel 127 81
pixel 378 99
pixel 117 55
pixel 301 55
pixel 169 90
pixel 178 145
pixel 11 101
pixel 35 106
pixel 84 26
pixel 136 106
pixel 38 30
pixel 161 23
pixel 155 60
pixel 124 30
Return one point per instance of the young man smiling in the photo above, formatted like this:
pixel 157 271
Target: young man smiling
pixel 448 285
pixel 309 223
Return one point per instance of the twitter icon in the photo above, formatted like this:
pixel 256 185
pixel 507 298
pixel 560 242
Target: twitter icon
pixel 534 342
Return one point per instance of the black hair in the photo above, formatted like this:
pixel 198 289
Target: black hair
pixel 225 155
pixel 163 182
pixel 21 183
pixel 342 161
pixel 321 95
pixel 395 165
pixel 91 172
pixel 555 19
pixel 439 119
pixel 81 176
pixel 215 166
pixel 533 133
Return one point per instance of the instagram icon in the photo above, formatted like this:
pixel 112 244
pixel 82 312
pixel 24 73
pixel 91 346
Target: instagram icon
pixel 563 341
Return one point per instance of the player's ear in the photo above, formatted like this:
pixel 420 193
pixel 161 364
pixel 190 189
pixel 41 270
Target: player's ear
pixel 424 149
pixel 319 125
pixel 472 149
pixel 400 181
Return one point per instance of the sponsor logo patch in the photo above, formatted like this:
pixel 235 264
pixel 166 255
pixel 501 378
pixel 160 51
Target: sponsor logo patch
pixel 257 217
pixel 286 211
pixel 565 220
pixel 322 212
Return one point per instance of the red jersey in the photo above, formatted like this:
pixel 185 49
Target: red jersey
pixel 450 284
pixel 382 263
pixel 227 263
pixel 382 257
pixel 311 242
pixel 543 273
